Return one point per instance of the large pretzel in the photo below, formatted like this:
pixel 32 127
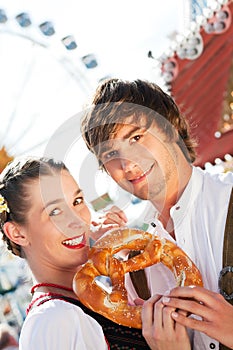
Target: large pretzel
pixel 102 261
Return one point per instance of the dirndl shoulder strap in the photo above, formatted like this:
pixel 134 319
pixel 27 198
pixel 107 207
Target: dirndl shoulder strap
pixel 226 275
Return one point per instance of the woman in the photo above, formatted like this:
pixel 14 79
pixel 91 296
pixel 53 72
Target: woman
pixel 45 220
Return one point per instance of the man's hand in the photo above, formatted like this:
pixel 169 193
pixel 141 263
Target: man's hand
pixel 215 313
pixel 159 328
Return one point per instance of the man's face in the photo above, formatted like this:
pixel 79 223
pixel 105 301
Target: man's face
pixel 141 160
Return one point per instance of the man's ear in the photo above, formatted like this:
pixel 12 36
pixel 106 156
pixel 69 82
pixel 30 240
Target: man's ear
pixel 15 233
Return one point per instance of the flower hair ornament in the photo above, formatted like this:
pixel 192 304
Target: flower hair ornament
pixel 3 205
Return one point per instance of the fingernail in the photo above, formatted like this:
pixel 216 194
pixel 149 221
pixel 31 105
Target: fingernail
pixel 174 314
pixel 167 292
pixel 165 299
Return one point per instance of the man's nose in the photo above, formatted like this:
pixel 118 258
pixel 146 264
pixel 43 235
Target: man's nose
pixel 128 165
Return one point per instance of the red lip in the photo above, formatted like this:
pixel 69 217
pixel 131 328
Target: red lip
pixel 143 177
pixel 71 242
pixel 78 246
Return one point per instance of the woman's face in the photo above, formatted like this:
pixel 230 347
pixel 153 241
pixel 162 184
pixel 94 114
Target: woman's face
pixel 58 222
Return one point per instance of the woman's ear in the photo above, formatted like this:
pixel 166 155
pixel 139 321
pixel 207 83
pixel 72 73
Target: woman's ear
pixel 15 233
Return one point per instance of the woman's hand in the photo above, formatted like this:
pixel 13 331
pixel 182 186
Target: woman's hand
pixel 216 314
pixel 113 218
pixel 159 328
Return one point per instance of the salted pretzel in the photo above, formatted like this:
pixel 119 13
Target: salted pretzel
pixel 104 262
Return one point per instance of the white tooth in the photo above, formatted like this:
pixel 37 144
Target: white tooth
pixel 74 241
pixel 142 174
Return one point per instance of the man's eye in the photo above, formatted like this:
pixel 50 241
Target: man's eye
pixel 136 138
pixel 78 201
pixel 55 212
pixel 110 155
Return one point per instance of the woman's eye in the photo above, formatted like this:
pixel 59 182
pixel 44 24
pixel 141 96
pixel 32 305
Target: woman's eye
pixel 78 201
pixel 55 212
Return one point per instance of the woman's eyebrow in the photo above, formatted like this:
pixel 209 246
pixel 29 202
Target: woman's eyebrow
pixel 79 190
pixel 60 200
pixel 55 201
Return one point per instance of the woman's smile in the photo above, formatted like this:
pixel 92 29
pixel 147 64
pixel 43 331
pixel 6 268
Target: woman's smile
pixel 75 242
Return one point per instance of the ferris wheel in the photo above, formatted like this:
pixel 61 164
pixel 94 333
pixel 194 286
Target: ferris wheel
pixel 44 80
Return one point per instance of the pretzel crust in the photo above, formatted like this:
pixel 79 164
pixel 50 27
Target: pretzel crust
pixel 102 261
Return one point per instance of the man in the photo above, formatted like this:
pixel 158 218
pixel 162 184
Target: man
pixel 142 141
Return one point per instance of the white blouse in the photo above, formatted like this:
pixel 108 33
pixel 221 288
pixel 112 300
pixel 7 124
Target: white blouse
pixel 60 325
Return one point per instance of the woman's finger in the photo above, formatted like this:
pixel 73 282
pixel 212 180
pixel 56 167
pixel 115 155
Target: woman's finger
pixel 117 211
